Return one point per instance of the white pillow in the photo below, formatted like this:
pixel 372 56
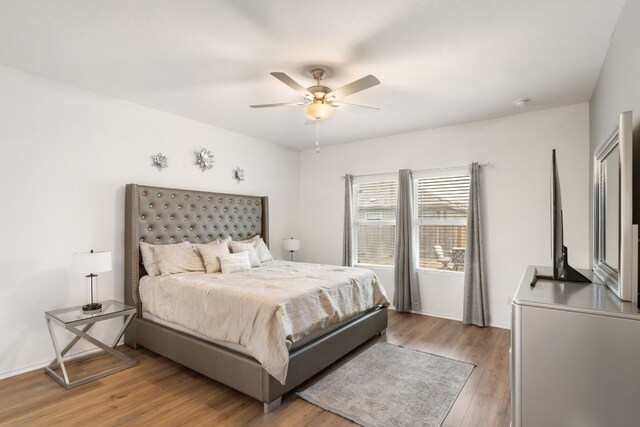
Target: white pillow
pixel 178 258
pixel 250 239
pixel 237 247
pixel 211 252
pixel 226 240
pixel 217 241
pixel 235 263
pixel 262 250
pixel 260 246
pixel 149 261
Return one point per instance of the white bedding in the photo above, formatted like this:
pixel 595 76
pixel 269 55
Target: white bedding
pixel 265 310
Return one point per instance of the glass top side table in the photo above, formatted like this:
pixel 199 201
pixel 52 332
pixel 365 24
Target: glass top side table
pixel 72 319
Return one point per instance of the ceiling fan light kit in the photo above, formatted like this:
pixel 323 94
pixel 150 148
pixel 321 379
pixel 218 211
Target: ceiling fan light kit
pixel 318 110
pixel 320 100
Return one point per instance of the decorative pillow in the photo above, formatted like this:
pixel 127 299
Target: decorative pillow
pixel 260 246
pixel 217 241
pixel 235 263
pixel 251 239
pixel 237 247
pixel 211 252
pixel 178 258
pixel 149 261
pixel 226 240
pixel 262 250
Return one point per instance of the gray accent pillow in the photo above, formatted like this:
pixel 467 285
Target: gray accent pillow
pixel 178 258
pixel 235 263
pixel 211 252
pixel 237 247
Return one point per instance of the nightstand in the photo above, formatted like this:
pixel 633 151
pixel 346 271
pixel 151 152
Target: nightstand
pixel 75 321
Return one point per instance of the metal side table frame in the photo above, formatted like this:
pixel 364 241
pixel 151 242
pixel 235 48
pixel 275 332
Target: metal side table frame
pixel 73 318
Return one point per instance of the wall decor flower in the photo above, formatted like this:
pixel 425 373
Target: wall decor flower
pixel 159 161
pixel 238 174
pixel 204 159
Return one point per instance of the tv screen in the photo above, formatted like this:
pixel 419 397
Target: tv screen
pixel 557 238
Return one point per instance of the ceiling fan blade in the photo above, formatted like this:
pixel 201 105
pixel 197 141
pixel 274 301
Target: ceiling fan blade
pixel 292 84
pixel 354 106
pixel 282 104
pixel 353 87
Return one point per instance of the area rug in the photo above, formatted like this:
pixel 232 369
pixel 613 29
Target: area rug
pixel 387 385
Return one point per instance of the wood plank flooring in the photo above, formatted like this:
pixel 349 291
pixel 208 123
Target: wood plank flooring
pixel 159 392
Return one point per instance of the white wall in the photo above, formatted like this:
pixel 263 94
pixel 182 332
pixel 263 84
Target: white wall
pixel 65 157
pixel 618 88
pixel 516 196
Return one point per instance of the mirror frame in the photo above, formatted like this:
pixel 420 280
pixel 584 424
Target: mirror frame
pixel 619 280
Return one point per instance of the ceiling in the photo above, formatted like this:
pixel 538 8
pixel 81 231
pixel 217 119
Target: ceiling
pixel 440 62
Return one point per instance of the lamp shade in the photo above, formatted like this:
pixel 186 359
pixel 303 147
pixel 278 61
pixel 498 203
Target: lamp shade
pixel 91 262
pixel 291 245
pixel 318 110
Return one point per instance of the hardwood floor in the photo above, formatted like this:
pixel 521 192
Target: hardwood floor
pixel 160 392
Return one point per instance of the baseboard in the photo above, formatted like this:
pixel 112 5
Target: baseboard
pixel 431 313
pixel 23 370
pixel 41 365
pixel 449 317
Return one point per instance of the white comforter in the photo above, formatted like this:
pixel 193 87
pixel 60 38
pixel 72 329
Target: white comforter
pixel 266 309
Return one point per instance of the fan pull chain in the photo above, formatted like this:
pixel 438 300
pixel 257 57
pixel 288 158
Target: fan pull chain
pixel 317 139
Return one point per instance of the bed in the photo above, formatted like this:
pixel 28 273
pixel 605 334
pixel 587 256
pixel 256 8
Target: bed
pixel 163 216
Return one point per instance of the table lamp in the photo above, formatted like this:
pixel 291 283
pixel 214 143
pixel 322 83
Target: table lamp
pixel 291 245
pixel 90 263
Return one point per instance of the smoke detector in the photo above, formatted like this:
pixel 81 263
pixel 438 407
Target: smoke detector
pixel 520 103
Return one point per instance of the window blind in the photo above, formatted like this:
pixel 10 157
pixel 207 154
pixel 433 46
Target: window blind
pixel 442 205
pixel 375 228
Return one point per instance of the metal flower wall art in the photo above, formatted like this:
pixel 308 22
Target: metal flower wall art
pixel 159 161
pixel 204 159
pixel 238 174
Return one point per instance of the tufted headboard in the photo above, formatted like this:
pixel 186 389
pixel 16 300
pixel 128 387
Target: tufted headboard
pixel 162 216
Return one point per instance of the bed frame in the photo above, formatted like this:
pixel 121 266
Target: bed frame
pixel 163 216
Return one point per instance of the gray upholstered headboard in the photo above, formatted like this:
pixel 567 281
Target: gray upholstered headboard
pixel 161 216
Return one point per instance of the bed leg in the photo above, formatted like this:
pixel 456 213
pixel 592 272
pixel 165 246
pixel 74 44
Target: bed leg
pixel 270 407
pixel 130 342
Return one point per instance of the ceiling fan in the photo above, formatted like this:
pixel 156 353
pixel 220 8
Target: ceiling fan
pixel 319 100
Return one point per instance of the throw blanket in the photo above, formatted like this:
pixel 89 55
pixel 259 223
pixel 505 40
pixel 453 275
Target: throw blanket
pixel 266 309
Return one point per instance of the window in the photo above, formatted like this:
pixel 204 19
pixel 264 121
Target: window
pixel 375 222
pixel 373 216
pixel 441 204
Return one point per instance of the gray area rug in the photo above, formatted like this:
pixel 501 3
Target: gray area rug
pixel 387 385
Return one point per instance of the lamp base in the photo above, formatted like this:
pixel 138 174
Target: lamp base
pixel 95 307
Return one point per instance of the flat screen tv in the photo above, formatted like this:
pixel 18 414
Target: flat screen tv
pixel 559 253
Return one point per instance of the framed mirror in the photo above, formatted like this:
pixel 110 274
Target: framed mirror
pixel 613 245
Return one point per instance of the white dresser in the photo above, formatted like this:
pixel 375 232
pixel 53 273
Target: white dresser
pixel 575 355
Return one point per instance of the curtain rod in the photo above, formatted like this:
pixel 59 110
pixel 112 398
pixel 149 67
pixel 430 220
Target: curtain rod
pixel 420 170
